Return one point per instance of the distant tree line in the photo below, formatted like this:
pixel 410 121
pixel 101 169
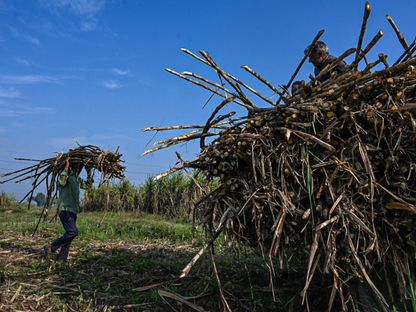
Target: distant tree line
pixel 172 196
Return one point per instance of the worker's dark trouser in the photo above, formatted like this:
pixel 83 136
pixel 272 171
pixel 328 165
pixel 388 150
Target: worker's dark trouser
pixel 69 221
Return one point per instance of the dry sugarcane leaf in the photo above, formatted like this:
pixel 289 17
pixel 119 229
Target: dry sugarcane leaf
pixel 174 296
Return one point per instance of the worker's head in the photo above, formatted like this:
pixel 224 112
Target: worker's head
pixel 318 53
pixel 296 86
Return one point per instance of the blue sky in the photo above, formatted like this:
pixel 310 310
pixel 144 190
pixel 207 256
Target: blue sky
pixel 92 71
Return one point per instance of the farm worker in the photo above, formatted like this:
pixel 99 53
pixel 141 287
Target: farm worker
pixel 69 191
pixel 319 56
pixel 297 86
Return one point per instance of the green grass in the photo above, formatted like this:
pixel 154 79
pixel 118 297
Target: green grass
pixel 101 226
pixel 115 252
pixel 102 265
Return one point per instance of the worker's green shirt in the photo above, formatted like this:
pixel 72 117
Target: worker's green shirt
pixel 69 192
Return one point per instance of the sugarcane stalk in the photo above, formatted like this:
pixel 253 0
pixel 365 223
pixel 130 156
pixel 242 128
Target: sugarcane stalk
pixel 195 56
pixel 179 127
pixel 211 83
pixel 249 104
pixel 25 170
pixel 367 49
pixel 208 123
pixel 178 140
pixel 367 11
pixel 231 76
pixel 206 87
pixel 371 66
pixel 406 53
pixel 185 137
pixel 383 59
pixel 412 50
pixel 34 185
pixel 263 80
pixel 398 32
pixel 239 82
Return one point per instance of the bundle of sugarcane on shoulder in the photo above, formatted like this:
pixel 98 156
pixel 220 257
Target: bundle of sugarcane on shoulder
pixel 327 172
pixel 65 168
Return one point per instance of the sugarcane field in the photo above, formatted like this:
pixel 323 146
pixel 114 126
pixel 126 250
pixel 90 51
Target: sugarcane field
pixel 284 185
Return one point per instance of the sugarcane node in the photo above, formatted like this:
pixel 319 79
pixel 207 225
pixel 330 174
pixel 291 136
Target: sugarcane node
pixel 330 114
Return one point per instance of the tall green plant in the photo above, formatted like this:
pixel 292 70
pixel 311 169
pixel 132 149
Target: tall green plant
pixel 116 197
pixel 7 201
pixel 173 196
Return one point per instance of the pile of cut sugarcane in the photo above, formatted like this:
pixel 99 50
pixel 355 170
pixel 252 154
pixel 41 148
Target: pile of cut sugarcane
pixel 330 170
pixel 46 172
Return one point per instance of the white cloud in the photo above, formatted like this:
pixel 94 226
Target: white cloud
pixel 25 37
pixel 111 84
pixel 22 61
pixel 79 7
pixel 86 10
pixel 27 79
pixel 121 72
pixel 88 25
pixel 30 39
pixel 10 93
pixel 17 110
